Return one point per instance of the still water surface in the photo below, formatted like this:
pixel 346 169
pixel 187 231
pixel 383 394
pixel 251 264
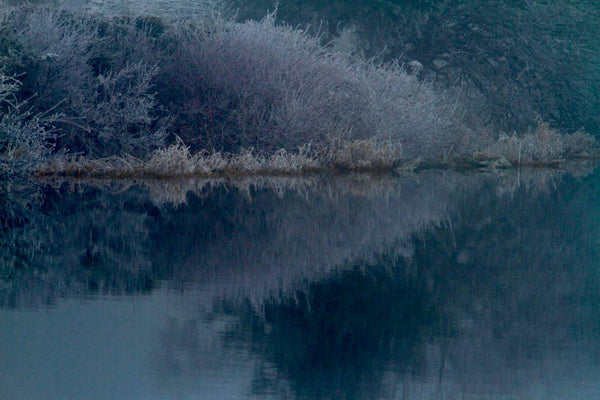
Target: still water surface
pixel 432 286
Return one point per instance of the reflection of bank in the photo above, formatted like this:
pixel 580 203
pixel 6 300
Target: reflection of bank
pixel 413 287
pixel 501 303
pixel 77 243
pixel 417 327
pixel 250 237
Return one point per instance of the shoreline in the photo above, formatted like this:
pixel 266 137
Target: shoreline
pixel 118 168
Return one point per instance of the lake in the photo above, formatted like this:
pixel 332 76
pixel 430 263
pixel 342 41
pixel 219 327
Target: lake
pixel 437 285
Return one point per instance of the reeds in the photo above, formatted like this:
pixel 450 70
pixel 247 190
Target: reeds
pixel 178 161
pixel 544 145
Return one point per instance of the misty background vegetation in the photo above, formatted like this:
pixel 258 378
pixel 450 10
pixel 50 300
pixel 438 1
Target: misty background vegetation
pixel 435 78
pixel 515 59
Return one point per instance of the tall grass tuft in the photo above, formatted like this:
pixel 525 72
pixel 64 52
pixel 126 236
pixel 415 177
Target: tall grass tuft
pixel 544 144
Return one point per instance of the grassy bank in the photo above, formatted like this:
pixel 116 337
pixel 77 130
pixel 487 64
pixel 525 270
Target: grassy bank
pixel 177 161
pixel 98 93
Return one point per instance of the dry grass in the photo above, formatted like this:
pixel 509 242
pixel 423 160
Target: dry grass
pixel 177 161
pixel 544 145
pixel 367 154
pixel 540 147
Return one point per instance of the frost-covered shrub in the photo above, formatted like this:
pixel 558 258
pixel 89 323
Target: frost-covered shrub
pixel 223 85
pixel 267 86
pixel 23 136
pixel 255 84
pixel 118 113
pixel 102 100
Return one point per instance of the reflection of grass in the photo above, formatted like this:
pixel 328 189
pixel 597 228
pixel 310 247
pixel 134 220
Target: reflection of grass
pixel 175 189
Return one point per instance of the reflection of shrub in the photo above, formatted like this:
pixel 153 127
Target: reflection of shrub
pixel 346 328
pixel 63 244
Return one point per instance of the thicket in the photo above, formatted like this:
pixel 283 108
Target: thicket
pixel 58 58
pixel 114 84
pixel 23 136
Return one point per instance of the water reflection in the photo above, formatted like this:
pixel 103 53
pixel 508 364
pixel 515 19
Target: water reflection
pixel 254 238
pixel 438 285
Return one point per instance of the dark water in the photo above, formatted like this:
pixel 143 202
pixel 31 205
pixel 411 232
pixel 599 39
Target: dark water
pixel 433 286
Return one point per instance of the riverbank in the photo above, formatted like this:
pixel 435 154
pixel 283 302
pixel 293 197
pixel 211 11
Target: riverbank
pixel 177 161
pixel 91 94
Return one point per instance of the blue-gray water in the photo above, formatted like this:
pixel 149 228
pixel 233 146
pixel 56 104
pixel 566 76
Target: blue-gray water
pixel 432 286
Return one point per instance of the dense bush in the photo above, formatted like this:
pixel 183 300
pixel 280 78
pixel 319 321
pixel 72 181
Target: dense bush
pixel 23 136
pixel 56 56
pixel 222 85
pixel 266 86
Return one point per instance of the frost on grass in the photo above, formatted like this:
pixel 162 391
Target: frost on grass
pixel 543 145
